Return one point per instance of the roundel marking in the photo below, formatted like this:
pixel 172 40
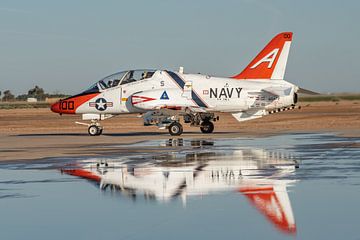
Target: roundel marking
pixel 101 104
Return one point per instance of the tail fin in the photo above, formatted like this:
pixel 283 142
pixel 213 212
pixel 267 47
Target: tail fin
pixel 270 63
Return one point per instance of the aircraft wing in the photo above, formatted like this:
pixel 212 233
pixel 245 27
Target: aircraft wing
pixel 249 115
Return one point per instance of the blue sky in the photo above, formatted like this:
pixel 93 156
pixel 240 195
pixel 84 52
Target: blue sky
pixel 67 45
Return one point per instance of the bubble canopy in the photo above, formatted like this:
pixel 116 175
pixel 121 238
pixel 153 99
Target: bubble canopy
pixel 121 78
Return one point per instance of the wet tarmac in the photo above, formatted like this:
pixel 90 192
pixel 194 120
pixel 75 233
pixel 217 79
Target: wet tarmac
pixel 304 186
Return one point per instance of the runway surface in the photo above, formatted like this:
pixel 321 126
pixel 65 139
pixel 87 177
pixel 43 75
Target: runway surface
pixel 39 133
pixel 259 187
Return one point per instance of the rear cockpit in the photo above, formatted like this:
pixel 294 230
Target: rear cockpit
pixel 120 78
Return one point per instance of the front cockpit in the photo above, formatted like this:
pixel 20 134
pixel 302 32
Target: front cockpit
pixel 114 81
pixel 120 78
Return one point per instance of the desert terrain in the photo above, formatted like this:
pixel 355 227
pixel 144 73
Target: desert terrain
pixel 39 133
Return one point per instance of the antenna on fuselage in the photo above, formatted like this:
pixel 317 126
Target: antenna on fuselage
pixel 181 70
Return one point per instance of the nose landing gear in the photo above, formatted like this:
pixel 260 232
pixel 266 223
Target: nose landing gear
pixel 95 130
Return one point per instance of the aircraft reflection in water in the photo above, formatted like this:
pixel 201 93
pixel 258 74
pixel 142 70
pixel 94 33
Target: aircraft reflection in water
pixel 259 175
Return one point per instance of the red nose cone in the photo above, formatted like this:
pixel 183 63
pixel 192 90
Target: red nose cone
pixel 55 107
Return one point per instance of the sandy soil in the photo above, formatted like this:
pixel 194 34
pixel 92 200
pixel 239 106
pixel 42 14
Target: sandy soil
pixel 39 133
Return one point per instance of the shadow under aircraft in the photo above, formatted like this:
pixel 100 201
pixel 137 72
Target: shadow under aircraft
pixel 259 175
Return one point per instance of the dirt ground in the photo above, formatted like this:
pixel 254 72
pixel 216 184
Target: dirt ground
pixel 39 133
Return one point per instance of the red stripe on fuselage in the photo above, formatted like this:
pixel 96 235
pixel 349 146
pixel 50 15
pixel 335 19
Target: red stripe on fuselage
pixel 140 99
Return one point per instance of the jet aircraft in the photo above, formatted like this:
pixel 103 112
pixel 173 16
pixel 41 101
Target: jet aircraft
pixel 164 97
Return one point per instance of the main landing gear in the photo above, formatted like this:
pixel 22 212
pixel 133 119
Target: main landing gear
pixel 207 127
pixel 202 120
pixel 166 120
pixel 175 129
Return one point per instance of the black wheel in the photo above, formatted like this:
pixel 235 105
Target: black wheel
pixel 207 127
pixel 94 130
pixel 175 129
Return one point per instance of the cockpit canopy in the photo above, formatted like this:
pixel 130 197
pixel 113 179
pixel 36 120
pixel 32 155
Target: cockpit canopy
pixel 121 78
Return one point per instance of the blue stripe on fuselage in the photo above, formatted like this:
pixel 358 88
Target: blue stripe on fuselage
pixel 181 83
pixel 198 101
pixel 177 79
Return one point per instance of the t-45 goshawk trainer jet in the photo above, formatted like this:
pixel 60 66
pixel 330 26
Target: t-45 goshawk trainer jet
pixel 163 97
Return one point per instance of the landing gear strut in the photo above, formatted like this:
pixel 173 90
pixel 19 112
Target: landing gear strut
pixel 202 120
pixel 175 129
pixel 94 127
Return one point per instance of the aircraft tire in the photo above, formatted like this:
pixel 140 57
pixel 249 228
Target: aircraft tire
pixel 207 127
pixel 175 129
pixel 94 130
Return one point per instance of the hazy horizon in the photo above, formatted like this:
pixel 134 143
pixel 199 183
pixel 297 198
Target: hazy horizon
pixel 66 46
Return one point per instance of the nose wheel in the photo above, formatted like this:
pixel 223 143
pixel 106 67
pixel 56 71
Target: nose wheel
pixel 94 130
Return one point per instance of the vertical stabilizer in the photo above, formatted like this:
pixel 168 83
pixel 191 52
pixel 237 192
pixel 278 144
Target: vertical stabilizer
pixel 270 63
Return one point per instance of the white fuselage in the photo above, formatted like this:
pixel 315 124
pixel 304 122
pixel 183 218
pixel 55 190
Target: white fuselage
pixel 199 93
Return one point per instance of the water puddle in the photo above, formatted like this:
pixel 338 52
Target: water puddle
pixel 303 185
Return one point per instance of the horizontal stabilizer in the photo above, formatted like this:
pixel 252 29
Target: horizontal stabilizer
pixel 305 91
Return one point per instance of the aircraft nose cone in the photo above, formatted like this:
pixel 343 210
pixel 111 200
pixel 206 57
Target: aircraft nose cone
pixel 55 107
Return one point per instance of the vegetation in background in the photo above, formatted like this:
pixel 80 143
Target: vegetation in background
pixel 36 92
pixel 9 101
pixel 329 98
pixel 8 96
